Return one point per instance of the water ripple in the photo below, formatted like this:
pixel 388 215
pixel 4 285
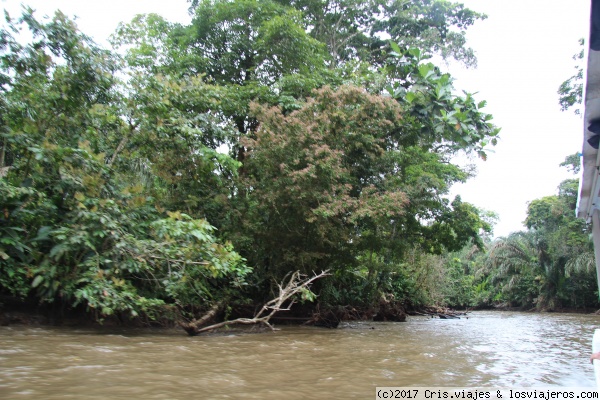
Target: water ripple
pixel 489 349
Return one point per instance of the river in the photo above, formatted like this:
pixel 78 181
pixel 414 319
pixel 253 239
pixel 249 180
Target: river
pixel 489 349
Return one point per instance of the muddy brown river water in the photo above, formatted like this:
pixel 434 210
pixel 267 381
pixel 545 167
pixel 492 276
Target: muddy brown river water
pixel 489 349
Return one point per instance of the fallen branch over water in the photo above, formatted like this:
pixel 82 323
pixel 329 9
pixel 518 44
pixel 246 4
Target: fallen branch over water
pixel 297 283
pixel 441 312
pixel 192 327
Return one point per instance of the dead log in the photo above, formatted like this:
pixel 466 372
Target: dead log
pixel 192 326
pixel 296 284
pixel 448 316
pixel 418 313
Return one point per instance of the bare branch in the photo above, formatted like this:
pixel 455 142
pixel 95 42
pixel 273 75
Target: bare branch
pixel 295 284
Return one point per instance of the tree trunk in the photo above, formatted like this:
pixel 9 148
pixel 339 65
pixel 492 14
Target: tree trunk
pixel 192 326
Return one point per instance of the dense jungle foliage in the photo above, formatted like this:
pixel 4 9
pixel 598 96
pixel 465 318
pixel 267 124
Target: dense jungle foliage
pixel 198 164
pixel 549 266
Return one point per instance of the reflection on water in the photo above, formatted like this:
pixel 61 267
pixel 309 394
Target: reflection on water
pixel 489 349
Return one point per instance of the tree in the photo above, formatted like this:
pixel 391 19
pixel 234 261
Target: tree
pixel 340 185
pixel 570 91
pixel 250 50
pixel 434 26
pixel 549 265
pixel 353 29
pixel 316 175
pixel 242 44
pixel 444 123
pixel 238 42
pixel 320 174
pixel 77 226
pixel 516 264
pixel 343 26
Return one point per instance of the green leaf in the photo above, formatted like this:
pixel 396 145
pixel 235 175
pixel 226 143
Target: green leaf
pixel 415 52
pixel 58 250
pixel 43 233
pixel 395 47
pixel 425 70
pixel 36 282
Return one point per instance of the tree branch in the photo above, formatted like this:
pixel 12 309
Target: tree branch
pixel 295 284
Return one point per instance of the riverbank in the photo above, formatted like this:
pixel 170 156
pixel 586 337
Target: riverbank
pixel 21 313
